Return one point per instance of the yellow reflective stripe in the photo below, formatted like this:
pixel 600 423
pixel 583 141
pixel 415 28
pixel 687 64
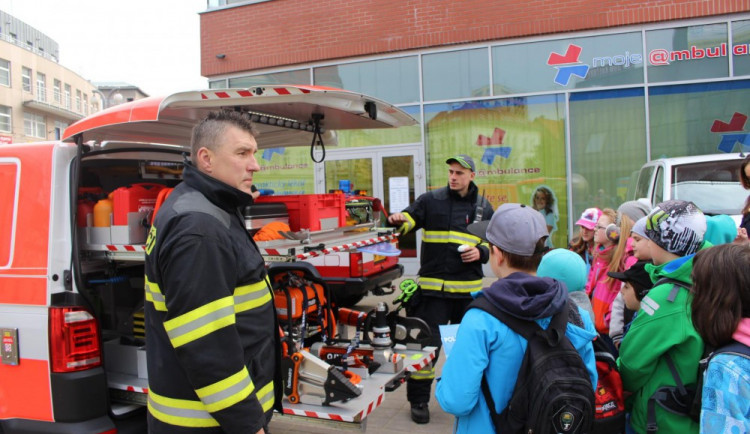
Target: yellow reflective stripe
pixel 154 295
pixel 180 412
pixel 430 283
pixel 201 321
pixel 251 296
pixel 408 225
pixel 227 392
pixel 450 237
pixel 265 396
pixel 426 373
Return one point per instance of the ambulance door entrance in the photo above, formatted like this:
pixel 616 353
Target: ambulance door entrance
pixel 392 173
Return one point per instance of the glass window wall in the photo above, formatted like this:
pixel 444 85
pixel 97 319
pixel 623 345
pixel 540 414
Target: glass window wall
pixel 687 53
pixel 300 76
pixel 393 80
pixel 607 145
pixel 456 74
pixel 682 118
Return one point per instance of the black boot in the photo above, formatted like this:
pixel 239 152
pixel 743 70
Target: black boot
pixel 420 412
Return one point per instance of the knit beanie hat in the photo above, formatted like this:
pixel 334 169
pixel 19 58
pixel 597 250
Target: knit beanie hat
pixel 720 229
pixel 589 217
pixel 565 266
pixel 634 209
pixel 676 226
pixel 639 228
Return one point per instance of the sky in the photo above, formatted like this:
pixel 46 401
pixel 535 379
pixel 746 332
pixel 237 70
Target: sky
pixel 151 44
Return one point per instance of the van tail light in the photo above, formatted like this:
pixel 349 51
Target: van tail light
pixel 74 339
pixel 356 268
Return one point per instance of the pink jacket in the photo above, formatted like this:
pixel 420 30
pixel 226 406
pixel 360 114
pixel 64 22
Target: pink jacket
pixel 602 291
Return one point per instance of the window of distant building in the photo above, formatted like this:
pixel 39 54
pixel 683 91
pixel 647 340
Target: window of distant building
pixel 85 104
pixel 4 72
pixel 59 128
pixel 41 87
pixel 67 96
pixel 5 119
pixel 34 125
pixel 78 101
pixel 57 91
pixel 26 78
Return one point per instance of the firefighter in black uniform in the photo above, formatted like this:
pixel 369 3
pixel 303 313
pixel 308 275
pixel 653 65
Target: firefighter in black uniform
pixel 447 275
pixel 211 334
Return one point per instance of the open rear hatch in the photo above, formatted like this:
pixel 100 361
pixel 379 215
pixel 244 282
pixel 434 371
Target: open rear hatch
pixel 284 115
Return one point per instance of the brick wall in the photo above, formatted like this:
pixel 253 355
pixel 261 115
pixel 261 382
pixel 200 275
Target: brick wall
pixel 287 32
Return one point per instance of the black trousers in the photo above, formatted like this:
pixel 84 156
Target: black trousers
pixel 435 311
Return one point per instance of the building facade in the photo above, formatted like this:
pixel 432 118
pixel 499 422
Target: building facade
pixel 39 97
pixel 570 96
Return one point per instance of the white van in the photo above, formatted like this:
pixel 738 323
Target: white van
pixel 710 181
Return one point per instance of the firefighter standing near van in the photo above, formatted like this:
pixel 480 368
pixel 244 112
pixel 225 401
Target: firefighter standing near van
pixel 451 262
pixel 211 330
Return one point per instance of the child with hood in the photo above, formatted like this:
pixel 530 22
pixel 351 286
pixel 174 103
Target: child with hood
pixel 486 346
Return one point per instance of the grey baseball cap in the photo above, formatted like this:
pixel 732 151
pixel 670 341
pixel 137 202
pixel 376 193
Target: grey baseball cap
pixel 464 160
pixel 514 227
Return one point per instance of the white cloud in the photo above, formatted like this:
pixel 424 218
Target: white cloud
pixel 152 44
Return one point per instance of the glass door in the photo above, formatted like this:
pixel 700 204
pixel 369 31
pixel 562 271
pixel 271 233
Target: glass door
pixel 393 174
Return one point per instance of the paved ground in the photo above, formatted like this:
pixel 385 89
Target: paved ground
pixel 391 417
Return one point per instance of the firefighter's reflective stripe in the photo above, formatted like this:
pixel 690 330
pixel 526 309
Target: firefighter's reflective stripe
pixel 251 296
pixel 184 412
pixel 201 321
pixel 180 412
pixel 408 225
pixel 450 237
pixel 227 392
pixel 426 373
pixel 154 295
pixel 455 286
pixel 265 396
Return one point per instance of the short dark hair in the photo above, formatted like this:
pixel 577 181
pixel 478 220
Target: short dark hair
pixel 526 263
pixel 720 292
pixel 208 132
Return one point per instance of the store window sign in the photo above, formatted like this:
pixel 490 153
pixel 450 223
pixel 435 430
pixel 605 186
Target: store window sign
pixel 569 64
pixel 732 132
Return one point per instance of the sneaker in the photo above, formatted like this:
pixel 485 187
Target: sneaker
pixel 420 412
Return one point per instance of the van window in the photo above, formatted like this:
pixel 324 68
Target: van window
pixel 659 186
pixel 712 185
pixel 9 170
pixel 644 181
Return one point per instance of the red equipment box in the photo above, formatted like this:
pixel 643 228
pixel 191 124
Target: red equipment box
pixel 312 211
pixel 139 198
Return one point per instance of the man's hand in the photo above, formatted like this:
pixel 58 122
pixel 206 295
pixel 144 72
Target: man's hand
pixel 396 218
pixel 471 254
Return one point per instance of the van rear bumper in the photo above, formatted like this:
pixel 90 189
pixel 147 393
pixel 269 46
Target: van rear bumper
pixel 101 424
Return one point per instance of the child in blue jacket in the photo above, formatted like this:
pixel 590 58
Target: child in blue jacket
pixel 484 345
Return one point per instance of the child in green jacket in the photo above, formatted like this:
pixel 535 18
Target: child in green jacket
pixel 662 327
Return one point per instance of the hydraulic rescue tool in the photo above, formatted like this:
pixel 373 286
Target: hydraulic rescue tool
pixel 309 380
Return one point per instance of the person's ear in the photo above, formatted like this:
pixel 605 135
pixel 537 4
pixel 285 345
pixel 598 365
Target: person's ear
pixel 203 160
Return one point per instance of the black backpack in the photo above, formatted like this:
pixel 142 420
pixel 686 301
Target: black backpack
pixel 553 391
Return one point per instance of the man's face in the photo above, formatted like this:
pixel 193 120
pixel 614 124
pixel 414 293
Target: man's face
pixel 459 178
pixel 233 161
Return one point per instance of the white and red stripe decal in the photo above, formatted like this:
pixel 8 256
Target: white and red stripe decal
pixel 337 417
pixel 126 248
pixel 244 93
pixel 325 251
pixel 421 364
